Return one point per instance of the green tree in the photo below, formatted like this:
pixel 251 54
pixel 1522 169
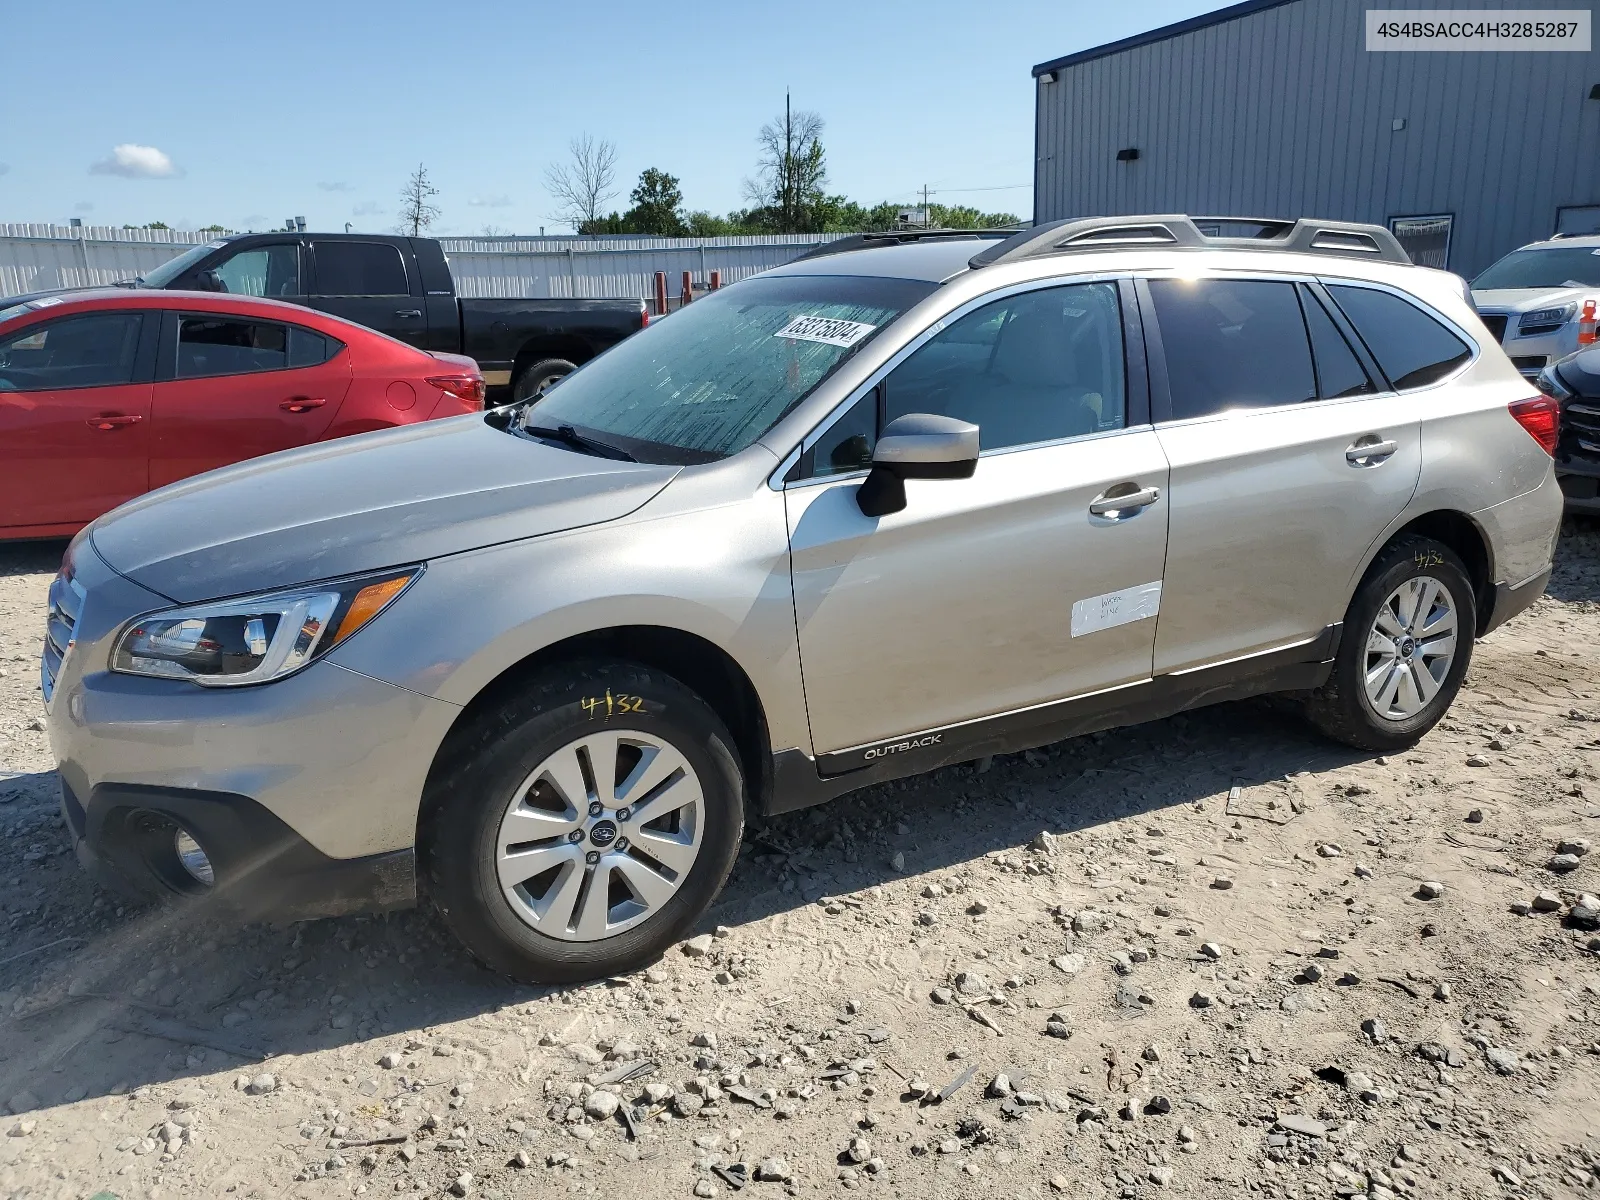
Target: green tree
pixel 657 206
pixel 787 192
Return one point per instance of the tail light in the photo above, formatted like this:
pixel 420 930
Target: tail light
pixel 469 389
pixel 1541 417
pixel 644 315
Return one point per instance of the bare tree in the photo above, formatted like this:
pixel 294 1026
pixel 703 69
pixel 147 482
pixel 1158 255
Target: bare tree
pixel 416 211
pixel 791 170
pixel 582 186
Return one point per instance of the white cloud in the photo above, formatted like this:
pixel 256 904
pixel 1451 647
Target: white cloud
pixel 501 201
pixel 366 208
pixel 4 167
pixel 133 161
pixel 339 186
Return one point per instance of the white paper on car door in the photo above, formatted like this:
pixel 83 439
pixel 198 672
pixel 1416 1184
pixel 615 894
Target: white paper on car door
pixel 1116 608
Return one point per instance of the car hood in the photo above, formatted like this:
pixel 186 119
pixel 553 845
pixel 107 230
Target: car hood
pixel 1521 300
pixel 1581 372
pixel 360 504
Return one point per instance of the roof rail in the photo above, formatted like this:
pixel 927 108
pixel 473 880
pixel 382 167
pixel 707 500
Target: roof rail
pixel 1181 232
pixel 896 237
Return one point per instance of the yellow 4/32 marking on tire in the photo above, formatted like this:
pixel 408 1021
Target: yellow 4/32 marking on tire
pixel 611 704
pixel 1428 558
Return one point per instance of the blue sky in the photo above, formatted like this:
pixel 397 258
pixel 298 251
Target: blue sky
pixel 180 112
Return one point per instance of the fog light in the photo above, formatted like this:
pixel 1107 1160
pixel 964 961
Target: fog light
pixel 193 858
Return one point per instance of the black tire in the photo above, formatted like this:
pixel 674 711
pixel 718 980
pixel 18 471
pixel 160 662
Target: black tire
pixel 464 806
pixel 1340 708
pixel 538 377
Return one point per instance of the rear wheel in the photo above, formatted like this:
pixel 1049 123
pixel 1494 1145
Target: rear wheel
pixel 1406 645
pixel 538 378
pixel 586 825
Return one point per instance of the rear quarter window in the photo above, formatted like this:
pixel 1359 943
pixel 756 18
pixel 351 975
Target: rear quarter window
pixel 1413 348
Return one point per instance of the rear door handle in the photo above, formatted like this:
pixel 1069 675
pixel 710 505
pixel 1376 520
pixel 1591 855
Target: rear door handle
pixel 1369 454
pixel 408 312
pixel 299 404
pixel 1125 505
pixel 114 420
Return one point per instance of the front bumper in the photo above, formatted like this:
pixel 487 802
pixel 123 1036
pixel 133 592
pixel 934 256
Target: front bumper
pixel 125 838
pixel 303 792
pixel 1532 353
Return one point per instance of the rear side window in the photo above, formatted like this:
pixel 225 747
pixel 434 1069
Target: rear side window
pixel 227 346
pixel 76 352
pixel 1339 371
pixel 308 349
pixel 1413 348
pixel 360 269
pixel 1232 343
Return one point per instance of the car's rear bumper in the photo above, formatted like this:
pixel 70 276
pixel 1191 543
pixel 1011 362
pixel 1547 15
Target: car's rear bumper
pixel 1510 600
pixel 125 838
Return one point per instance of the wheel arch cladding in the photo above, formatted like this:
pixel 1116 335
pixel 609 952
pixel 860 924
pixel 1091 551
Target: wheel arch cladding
pixel 1461 533
pixel 700 665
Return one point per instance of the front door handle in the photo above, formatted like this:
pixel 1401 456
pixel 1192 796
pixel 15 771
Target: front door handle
pixel 1370 454
pixel 300 404
pixel 408 312
pixel 1125 504
pixel 106 421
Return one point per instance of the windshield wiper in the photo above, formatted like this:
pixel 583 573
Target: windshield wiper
pixel 572 439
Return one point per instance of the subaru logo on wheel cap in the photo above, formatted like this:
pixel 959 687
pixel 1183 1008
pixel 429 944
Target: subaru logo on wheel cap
pixel 603 834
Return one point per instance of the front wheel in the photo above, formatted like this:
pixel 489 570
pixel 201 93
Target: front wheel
pixel 1406 645
pixel 586 826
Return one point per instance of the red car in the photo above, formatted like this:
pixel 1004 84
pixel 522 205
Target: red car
pixel 107 394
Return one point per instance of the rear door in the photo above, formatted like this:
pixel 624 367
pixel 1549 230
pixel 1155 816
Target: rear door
pixel 230 388
pixel 74 418
pixel 1285 466
pixel 375 284
pixel 1017 586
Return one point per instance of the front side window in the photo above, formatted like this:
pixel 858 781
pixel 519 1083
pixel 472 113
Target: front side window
pixel 712 378
pixel 264 271
pixel 360 269
pixel 174 267
pixel 1413 349
pixel 95 350
pixel 847 444
pixel 229 346
pixel 1033 367
pixel 1231 344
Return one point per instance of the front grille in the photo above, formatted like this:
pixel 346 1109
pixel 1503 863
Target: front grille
pixel 1538 330
pixel 1580 431
pixel 66 603
pixel 1496 324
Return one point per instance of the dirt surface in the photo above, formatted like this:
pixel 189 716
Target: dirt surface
pixel 1125 978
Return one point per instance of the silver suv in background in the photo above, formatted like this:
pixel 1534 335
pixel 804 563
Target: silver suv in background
pixel 903 503
pixel 1533 299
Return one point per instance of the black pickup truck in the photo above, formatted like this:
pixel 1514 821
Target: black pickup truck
pixel 402 286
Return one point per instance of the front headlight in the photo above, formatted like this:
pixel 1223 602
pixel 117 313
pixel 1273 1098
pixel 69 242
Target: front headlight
pixel 228 643
pixel 1548 316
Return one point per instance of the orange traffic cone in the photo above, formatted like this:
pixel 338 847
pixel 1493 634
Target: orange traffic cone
pixel 1586 324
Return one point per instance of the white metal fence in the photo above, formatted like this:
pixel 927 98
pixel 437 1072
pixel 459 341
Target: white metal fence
pixel 40 257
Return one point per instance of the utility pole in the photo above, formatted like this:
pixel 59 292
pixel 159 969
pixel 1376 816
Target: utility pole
pixel 927 216
pixel 788 166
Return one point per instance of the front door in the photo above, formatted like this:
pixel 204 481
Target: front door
pixel 1020 585
pixel 1285 465
pixel 74 420
pixel 237 388
pixel 372 284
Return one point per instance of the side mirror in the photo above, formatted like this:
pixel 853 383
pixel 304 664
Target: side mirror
pixel 916 446
pixel 209 281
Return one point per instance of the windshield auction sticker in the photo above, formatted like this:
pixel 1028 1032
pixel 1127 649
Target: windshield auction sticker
pixel 1478 29
pixel 828 330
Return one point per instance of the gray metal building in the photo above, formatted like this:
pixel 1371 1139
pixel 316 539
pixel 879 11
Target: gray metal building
pixel 1275 108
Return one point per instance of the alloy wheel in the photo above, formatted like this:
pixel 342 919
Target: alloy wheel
pixel 601 835
pixel 1410 648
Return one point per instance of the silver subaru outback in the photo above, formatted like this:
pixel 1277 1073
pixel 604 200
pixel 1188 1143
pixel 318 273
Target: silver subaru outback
pixel 908 501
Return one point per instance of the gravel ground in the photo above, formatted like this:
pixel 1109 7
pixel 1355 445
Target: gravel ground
pixel 1210 956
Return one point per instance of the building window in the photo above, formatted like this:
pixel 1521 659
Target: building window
pixel 1426 238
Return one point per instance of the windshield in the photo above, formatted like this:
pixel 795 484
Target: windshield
pixel 710 379
pixel 173 267
pixel 1551 267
